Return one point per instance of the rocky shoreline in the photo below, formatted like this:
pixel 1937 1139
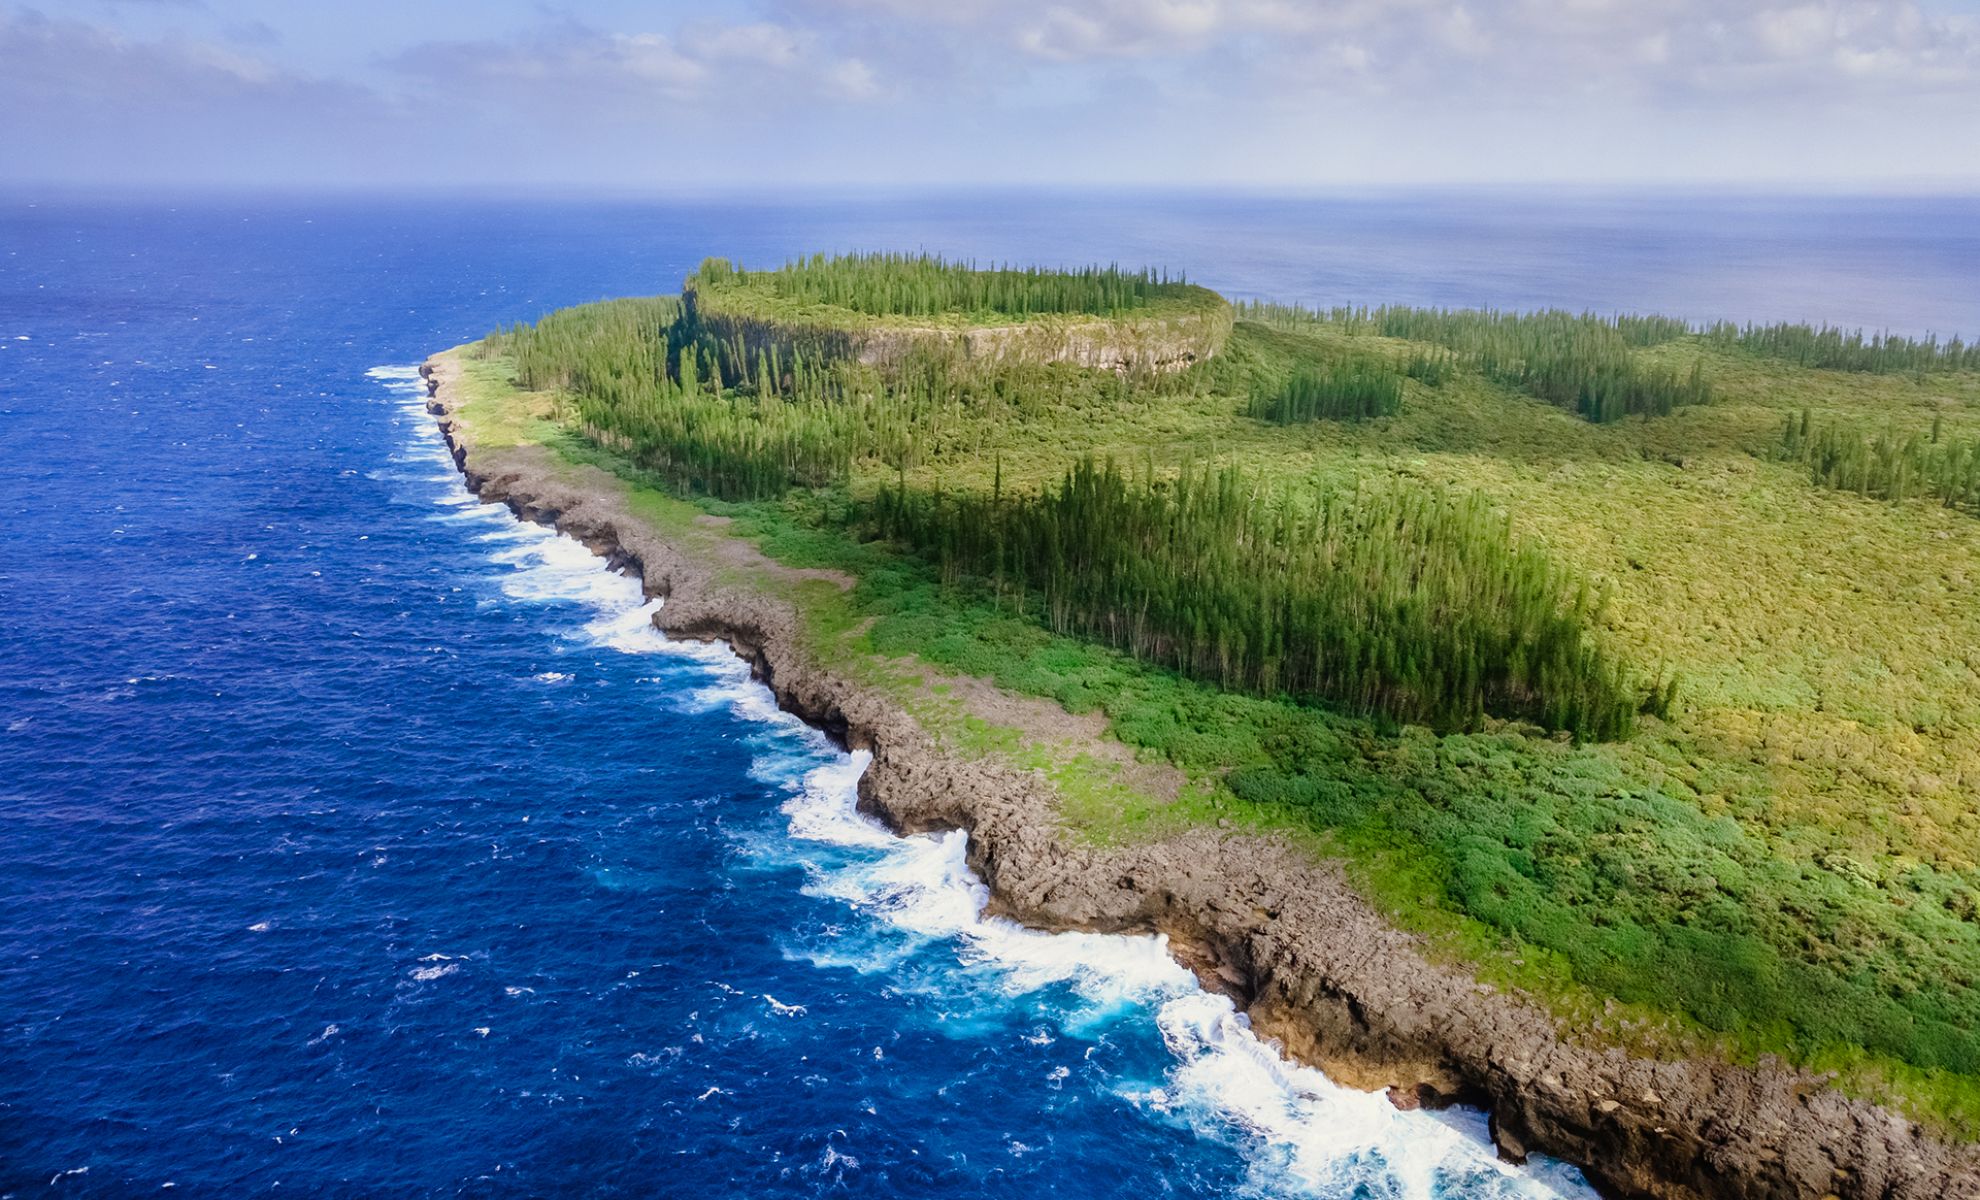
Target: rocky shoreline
pixel 1282 933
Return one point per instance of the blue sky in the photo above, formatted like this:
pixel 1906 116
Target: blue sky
pixel 762 94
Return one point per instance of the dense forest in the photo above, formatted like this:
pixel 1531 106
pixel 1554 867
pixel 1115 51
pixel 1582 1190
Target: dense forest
pixel 1343 389
pixel 920 285
pixel 645 379
pixel 607 350
pixel 1578 361
pixel 1408 602
pixel 637 388
pixel 1825 347
pixel 1836 349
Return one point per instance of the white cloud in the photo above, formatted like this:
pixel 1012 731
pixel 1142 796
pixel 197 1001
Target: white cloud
pixel 854 79
pixel 1460 32
pixel 582 62
pixel 1794 32
pixel 761 42
pixel 88 104
pixel 646 56
pixel 45 58
pixel 1349 56
pixel 1075 90
pixel 703 61
pixel 1702 46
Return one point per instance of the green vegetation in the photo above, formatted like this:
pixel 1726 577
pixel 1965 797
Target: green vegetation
pixel 608 350
pixel 919 285
pixel 1579 362
pixel 1350 389
pixel 1886 465
pixel 1408 602
pixel 1782 856
pixel 632 389
pixel 1846 350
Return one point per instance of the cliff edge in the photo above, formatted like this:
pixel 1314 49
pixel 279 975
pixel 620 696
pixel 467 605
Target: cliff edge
pixel 1282 932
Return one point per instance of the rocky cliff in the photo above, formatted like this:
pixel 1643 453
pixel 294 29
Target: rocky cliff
pixel 1165 342
pixel 1280 931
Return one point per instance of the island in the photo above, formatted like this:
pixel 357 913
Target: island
pixel 1573 715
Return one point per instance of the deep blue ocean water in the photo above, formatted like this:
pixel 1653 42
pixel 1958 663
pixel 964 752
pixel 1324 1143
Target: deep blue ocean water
pixel 357 840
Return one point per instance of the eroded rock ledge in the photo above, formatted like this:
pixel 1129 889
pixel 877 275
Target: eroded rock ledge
pixel 1311 963
pixel 1159 342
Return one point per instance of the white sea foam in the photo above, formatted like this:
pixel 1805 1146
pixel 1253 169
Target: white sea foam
pixel 924 885
pixel 1301 1132
pixel 1304 1131
pixel 1325 1135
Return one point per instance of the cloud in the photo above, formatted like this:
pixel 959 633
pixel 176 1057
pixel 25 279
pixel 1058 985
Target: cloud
pixel 1123 28
pixel 761 42
pixel 89 104
pixel 46 60
pixel 1845 40
pixel 1528 46
pixel 572 60
pixel 1203 91
pixel 1461 34
pixel 561 66
pixel 253 33
pixel 1793 32
pixel 854 79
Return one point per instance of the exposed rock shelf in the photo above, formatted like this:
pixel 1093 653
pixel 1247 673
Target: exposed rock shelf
pixel 1160 341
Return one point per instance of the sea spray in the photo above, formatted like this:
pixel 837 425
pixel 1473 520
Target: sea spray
pixel 1303 1132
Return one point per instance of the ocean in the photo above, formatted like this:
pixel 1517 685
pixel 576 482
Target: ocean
pixel 359 840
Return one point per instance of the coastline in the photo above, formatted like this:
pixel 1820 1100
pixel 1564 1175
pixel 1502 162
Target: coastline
pixel 1286 935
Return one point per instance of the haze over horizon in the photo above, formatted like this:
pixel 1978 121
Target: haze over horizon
pixel 611 94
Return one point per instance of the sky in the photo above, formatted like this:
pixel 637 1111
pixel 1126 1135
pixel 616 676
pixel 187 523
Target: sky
pixel 761 94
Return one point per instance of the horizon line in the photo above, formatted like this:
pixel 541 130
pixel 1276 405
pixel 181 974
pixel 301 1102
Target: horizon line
pixel 782 191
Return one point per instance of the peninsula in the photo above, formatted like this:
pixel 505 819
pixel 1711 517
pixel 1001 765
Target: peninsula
pixel 1576 716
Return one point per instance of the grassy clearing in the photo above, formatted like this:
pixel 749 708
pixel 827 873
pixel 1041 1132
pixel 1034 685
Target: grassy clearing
pixel 1785 863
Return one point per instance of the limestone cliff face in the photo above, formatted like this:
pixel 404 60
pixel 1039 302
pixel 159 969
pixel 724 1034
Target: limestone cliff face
pixel 1133 344
pixel 1137 344
pixel 1312 964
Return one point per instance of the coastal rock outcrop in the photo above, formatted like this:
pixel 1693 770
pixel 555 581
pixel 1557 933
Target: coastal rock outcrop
pixel 1280 931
